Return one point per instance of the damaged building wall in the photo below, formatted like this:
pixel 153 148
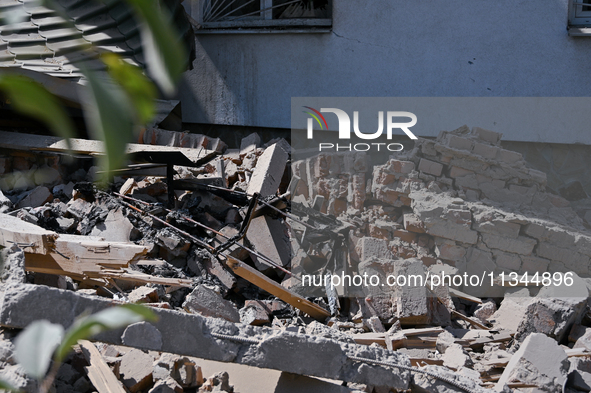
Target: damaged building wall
pixel 427 49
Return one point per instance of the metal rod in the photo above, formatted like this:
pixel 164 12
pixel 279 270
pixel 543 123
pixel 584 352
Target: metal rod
pixel 215 11
pixel 288 215
pixel 266 9
pixel 266 260
pixel 229 13
pixel 198 241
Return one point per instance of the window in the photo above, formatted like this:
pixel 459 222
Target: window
pixel 579 17
pixel 264 14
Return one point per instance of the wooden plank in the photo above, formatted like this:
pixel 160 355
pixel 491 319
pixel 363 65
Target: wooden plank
pixel 29 237
pixel 99 372
pixel 465 296
pixel 496 338
pixel 470 321
pixel 422 331
pixel 81 249
pixel 420 362
pixel 574 352
pixel 54 264
pixel 254 276
pixel 147 279
pixel 17 141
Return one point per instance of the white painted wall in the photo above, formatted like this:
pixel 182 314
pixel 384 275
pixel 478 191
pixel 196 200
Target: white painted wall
pixel 393 48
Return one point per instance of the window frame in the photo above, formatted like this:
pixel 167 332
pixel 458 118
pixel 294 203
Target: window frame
pixel 579 21
pixel 264 24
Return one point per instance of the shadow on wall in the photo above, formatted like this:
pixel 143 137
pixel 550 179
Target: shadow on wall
pixel 567 166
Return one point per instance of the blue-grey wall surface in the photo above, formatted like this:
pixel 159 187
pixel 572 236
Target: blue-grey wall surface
pixel 392 48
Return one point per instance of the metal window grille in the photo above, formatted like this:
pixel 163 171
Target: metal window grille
pixel 580 12
pixel 264 13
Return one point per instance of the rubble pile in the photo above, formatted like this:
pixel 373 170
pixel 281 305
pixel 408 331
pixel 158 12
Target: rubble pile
pixel 220 245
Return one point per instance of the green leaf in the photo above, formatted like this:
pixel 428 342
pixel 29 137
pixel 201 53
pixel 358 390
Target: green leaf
pixel 32 99
pixel 111 318
pixel 5 386
pixel 139 89
pixel 109 117
pixel 35 346
pixel 165 57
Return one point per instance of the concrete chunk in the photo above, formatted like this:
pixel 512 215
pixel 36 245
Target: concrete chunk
pixel 208 302
pixel 486 135
pixel 250 144
pixel 115 228
pixel 522 245
pixel 368 247
pixel 143 294
pixel 430 167
pixel 142 334
pixel 269 237
pixel 254 314
pixel 539 361
pixel 167 385
pixel 37 197
pixel 136 370
pixel 268 171
pixel 321 357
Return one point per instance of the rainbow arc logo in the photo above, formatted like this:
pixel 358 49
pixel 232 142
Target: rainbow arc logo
pixel 315 115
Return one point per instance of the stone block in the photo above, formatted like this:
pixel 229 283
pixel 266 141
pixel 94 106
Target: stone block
pixel 143 294
pixel 269 237
pixel 250 143
pixel 487 135
pixel 509 157
pixel 499 227
pixel 215 267
pixel 458 142
pixel 37 197
pixel 521 245
pixel 412 223
pixel 142 334
pixel 413 304
pixel 115 228
pixel 450 251
pixel 370 247
pixel 456 171
pixel 13 268
pixel 485 151
pixel 532 264
pixel 187 373
pixel 405 236
pixel 444 340
pixel 485 311
pixel 539 361
pixel 550 316
pixel 167 385
pixel 456 356
pixel 507 261
pixel 208 302
pixel 535 230
pixel 512 309
pixel 569 257
pixel 449 230
pixel 430 167
pixel 403 167
pixel 254 314
pixel 136 370
pixel 268 172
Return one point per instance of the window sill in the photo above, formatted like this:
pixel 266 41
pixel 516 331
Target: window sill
pixel 267 26
pixel 579 31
